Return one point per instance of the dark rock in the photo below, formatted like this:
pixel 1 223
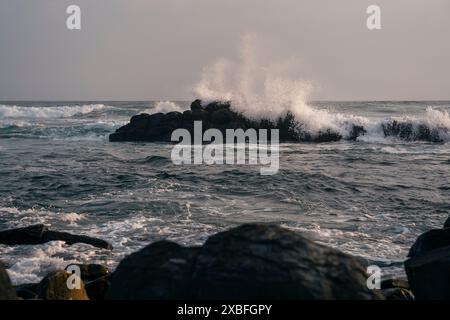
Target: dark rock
pixel 397 294
pixel 196 105
pixel 248 262
pixel 159 271
pixel 411 132
pixel 447 223
pixel 27 291
pixel 429 241
pixel 429 263
pixel 396 289
pixel 428 274
pixel 222 116
pixel 216 106
pixel 6 289
pixel 219 115
pixel 39 234
pixel 394 283
pixel 54 287
pixel 356 132
pixel 173 117
pixel 97 280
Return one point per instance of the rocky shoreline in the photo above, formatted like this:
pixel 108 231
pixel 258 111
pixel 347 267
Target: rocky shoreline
pixel 253 261
pixel 158 127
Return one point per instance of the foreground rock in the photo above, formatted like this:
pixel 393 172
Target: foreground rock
pixel 429 265
pixel 248 262
pixel 97 280
pixel 429 241
pixel 218 115
pixel 54 287
pixel 447 223
pixel 396 289
pixel 7 291
pixel 39 234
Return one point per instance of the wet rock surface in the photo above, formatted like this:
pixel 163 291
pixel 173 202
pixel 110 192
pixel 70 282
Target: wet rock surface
pixel 248 262
pixel 39 234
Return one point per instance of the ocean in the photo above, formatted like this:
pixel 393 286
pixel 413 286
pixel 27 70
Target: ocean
pixel 371 197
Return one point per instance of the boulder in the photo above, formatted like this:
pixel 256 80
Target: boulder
pixel 27 291
pixel 431 240
pixel 428 274
pixel 248 262
pixel 96 279
pixel 39 234
pixel 7 291
pixel 447 223
pixel 160 271
pixel 54 287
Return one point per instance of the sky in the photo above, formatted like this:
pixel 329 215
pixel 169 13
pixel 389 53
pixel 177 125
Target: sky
pixel 157 49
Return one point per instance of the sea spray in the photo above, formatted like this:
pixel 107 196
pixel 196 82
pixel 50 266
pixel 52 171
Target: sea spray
pixel 260 91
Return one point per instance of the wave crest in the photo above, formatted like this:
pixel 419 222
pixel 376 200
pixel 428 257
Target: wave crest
pixel 8 111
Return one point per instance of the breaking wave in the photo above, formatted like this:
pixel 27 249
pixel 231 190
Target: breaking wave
pixel 165 107
pixel 8 111
pixel 259 91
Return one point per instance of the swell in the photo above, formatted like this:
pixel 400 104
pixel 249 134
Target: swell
pixel 46 112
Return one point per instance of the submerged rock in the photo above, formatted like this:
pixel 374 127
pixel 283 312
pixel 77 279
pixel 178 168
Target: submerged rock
pixel 39 234
pixel 248 262
pixel 7 291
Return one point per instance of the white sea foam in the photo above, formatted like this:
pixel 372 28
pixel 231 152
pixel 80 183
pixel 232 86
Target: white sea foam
pixel 164 107
pixel 259 90
pixel 19 218
pixel 8 111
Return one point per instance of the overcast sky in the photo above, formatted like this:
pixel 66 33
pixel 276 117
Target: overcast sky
pixel 156 49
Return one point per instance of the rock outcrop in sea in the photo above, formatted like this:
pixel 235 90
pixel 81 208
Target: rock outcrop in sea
pixel 39 234
pixel 158 127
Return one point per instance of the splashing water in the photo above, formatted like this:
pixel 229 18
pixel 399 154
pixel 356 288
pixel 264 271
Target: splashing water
pixel 260 91
pixel 165 107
